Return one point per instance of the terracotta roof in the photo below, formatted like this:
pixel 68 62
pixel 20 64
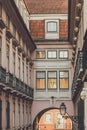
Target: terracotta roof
pixel 47 6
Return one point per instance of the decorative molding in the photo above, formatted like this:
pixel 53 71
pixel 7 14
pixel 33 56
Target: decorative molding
pixel 48 16
pixel 52 64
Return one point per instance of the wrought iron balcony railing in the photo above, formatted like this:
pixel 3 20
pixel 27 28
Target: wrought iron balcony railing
pixel 10 82
pixel 78 72
pixel 85 53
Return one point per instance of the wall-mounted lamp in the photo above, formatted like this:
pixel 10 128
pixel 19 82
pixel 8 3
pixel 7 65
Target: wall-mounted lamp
pixel 62 109
pixel 63 113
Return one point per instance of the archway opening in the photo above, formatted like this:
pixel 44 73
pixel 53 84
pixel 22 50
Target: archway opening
pixel 51 119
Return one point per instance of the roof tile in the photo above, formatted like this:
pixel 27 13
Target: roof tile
pixel 47 6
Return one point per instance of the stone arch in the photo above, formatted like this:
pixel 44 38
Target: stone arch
pixel 38 116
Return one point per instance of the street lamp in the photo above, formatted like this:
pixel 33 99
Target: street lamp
pixel 63 112
pixel 62 109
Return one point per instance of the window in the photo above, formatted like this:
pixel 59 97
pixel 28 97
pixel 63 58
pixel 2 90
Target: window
pixel 18 114
pixel 51 29
pixel 23 115
pixel 14 62
pixel 60 121
pixel 27 114
pixel 23 70
pixel 52 54
pixel 64 79
pixel 8 21
pixel 19 67
pixel 51 26
pixel 27 74
pixel 8 49
pixel 7 115
pixel 52 80
pixel 63 54
pixel 0 10
pixel 13 114
pixel 40 80
pixel 40 54
pixel 48 118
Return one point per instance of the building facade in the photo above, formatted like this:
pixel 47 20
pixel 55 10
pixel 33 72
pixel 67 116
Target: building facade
pixel 52 68
pixel 16 47
pixel 37 76
pixel 78 38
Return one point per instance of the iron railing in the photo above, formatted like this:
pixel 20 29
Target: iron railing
pixel 78 71
pixel 85 53
pixel 7 79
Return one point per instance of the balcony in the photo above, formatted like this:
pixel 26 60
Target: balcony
pixel 85 56
pixel 9 82
pixel 78 75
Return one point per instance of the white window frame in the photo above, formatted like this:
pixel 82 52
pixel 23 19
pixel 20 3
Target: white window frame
pixel 51 27
pixel 41 51
pixel 63 54
pixel 48 118
pixel 50 54
pixel 52 34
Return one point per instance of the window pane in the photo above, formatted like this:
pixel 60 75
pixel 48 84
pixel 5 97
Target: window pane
pixel 64 83
pixel 40 74
pixel 48 118
pixel 7 58
pixel 23 70
pixel 19 67
pixel 52 83
pixel 40 80
pixel 52 54
pixel 63 74
pixel 63 54
pixel 66 54
pixel 64 80
pixel 27 74
pixel 51 74
pixel 52 80
pixel 14 62
pixel 51 26
pixel 40 83
pixel 40 54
